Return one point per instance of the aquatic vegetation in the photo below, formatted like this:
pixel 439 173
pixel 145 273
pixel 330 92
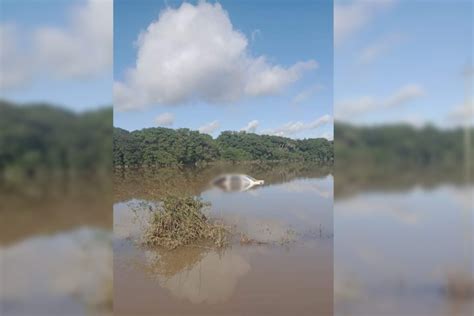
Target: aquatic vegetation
pixel 287 237
pixel 246 240
pixel 180 221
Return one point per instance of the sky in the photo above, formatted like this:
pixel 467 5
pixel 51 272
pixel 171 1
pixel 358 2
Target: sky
pixel 403 61
pixel 57 51
pixel 260 66
pixel 394 61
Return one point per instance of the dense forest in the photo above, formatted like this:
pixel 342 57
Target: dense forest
pixel 36 138
pixel 385 145
pixel 399 157
pixel 400 144
pixel 166 147
pixel 40 138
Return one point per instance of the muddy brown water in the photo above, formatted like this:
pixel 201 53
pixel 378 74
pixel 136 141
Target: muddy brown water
pixel 55 247
pixel 273 278
pixel 404 246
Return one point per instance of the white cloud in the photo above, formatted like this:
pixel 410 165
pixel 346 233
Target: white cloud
pixel 194 53
pixel 165 119
pixel 210 128
pixel 15 67
pixel 306 94
pixel 328 135
pixel 255 33
pixel 405 94
pixel 350 17
pixel 350 108
pixel 251 127
pixel 378 48
pixel 80 50
pixel 462 114
pixel 292 127
pixel 415 120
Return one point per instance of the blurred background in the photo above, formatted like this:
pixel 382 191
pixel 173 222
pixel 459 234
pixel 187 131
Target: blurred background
pixel 403 213
pixel 55 157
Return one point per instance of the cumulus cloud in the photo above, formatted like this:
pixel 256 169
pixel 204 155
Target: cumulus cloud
pixel 350 108
pixel 80 50
pixel 84 47
pixel 210 128
pixel 193 53
pixel 350 17
pixel 295 127
pixel 306 94
pixel 165 119
pixel 251 127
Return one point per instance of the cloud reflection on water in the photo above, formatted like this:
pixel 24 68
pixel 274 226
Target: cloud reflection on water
pixel 211 279
pixel 67 271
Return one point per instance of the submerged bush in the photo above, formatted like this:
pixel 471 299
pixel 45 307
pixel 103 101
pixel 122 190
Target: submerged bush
pixel 180 221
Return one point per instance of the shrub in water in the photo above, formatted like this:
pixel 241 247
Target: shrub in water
pixel 180 221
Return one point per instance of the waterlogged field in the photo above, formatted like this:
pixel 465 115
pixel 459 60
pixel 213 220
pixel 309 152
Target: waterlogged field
pixel 278 260
pixel 56 248
pixel 404 244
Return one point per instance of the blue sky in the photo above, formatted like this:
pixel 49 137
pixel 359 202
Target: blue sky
pixel 395 61
pixel 285 32
pixel 402 61
pixel 57 51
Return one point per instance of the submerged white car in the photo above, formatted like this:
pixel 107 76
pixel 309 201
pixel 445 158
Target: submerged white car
pixel 235 182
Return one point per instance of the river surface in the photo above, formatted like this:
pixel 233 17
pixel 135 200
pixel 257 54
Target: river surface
pixel 403 245
pixel 56 248
pixel 289 272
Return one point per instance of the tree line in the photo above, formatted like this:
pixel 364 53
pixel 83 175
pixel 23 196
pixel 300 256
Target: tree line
pixel 393 145
pixel 41 138
pixel 167 147
pixel 37 138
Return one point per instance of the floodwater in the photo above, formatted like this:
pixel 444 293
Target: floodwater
pixel 56 248
pixel 290 272
pixel 403 246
